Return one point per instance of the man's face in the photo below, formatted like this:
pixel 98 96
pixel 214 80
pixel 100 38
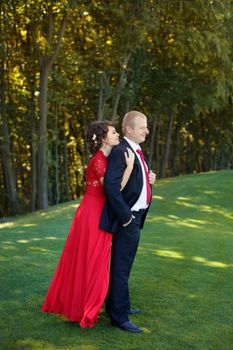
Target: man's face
pixel 138 132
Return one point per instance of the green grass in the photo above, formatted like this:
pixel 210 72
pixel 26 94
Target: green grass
pixel 182 278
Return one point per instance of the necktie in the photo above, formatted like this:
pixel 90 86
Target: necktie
pixel 148 188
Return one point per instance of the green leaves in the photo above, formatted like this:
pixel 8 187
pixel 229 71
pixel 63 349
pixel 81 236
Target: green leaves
pixel 152 55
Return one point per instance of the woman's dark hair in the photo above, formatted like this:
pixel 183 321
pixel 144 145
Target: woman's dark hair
pixel 96 132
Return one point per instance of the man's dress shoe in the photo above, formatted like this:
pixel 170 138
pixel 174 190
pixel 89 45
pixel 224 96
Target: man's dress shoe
pixel 129 327
pixel 133 311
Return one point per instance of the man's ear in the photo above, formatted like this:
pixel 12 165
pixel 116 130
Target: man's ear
pixel 128 129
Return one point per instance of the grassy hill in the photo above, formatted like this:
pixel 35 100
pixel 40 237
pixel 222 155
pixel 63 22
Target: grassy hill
pixel 182 277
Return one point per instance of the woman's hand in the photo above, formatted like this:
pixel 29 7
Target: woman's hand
pixel 129 157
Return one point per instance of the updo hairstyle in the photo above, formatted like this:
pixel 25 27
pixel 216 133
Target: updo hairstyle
pixel 96 132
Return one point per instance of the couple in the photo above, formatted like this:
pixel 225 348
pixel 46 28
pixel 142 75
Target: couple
pixel 116 201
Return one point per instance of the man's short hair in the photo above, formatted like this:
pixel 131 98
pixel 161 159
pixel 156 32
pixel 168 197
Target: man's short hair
pixel 129 119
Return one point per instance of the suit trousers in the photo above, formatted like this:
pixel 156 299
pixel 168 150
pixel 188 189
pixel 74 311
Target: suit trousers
pixel 124 248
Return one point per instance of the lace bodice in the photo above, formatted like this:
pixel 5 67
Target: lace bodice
pixel 95 171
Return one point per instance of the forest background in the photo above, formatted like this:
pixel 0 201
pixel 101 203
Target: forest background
pixel 66 63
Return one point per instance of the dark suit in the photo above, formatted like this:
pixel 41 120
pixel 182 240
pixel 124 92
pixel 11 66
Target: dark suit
pixel 116 212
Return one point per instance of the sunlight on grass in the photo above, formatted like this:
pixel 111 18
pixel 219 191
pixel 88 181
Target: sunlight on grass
pixel 206 262
pixel 176 255
pixel 158 197
pixel 183 222
pixel 6 224
pixel 51 238
pixel 29 225
pixel 207 209
pixel 9 247
pixel 194 221
pixel 184 198
pixel 210 192
pixel 17 257
pixel 169 254
pixel 22 241
pixel 172 220
pixel 51 212
pixel 40 250
pixel 145 330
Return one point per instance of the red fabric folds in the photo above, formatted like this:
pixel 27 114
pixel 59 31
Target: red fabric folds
pixel 80 283
pixel 148 188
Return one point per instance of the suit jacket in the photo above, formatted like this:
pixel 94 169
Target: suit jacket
pixel 118 204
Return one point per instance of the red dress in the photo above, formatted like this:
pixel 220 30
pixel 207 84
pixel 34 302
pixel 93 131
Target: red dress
pixel 80 283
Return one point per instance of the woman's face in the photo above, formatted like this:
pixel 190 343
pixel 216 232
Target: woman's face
pixel 112 138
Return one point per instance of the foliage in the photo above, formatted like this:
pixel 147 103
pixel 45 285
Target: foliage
pixel 161 57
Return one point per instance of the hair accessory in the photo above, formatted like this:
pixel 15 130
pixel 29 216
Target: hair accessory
pixel 94 137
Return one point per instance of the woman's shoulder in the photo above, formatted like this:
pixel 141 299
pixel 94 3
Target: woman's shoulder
pixel 98 157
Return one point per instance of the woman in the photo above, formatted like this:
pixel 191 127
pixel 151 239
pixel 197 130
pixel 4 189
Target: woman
pixel 80 283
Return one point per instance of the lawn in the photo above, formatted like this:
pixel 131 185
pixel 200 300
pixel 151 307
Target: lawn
pixel 182 277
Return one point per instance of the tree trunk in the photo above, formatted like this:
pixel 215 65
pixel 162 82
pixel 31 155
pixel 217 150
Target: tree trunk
pixel 42 142
pixel 101 99
pixel 66 170
pixel 46 63
pixel 167 145
pixel 56 162
pixel 127 106
pixel 121 85
pixel 176 151
pixel 157 151
pixel 152 141
pixel 7 160
pixel 33 173
pixel 30 73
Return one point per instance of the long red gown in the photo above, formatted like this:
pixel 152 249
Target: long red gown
pixel 80 283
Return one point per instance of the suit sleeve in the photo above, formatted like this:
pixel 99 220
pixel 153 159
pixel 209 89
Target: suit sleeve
pixel 112 185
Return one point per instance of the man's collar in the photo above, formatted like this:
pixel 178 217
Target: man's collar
pixel 134 145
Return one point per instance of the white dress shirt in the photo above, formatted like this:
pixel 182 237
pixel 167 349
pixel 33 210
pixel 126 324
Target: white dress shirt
pixel 141 202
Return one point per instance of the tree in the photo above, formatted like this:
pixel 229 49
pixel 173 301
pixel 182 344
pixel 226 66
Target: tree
pixel 46 59
pixel 7 159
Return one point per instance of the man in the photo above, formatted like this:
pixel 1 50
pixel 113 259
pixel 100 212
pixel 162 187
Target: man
pixel 124 214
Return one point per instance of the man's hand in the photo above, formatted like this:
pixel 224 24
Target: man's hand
pixel 127 223
pixel 152 177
